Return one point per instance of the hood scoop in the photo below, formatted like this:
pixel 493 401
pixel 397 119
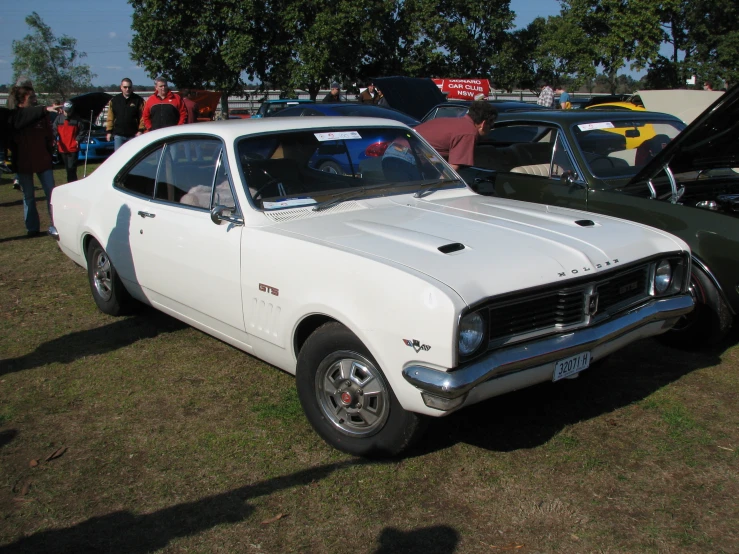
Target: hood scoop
pixel 451 247
pixel 585 222
pixel 409 237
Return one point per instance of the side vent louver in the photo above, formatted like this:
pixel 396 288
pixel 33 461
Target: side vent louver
pixel 451 247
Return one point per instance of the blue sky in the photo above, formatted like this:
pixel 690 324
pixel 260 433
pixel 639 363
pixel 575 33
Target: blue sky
pixel 103 30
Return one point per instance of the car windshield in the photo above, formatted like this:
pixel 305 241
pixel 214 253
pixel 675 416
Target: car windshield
pixel 615 149
pixel 315 167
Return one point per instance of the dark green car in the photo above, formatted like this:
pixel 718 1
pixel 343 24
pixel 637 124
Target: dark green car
pixel 642 166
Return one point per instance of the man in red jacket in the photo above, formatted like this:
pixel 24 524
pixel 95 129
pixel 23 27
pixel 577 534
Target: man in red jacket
pixel 66 129
pixel 164 109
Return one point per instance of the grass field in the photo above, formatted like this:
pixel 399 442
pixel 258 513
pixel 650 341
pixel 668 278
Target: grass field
pixel 141 434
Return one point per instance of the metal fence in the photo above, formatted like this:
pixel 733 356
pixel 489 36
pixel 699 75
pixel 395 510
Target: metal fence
pixel 254 99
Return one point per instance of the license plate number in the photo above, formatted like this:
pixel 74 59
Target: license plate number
pixel 570 366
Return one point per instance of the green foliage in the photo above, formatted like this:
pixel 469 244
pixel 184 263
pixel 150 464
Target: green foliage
pixel 52 63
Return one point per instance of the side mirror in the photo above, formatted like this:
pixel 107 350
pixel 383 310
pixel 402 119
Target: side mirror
pixel 221 213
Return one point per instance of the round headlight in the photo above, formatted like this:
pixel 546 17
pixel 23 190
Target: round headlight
pixel 662 277
pixel 471 333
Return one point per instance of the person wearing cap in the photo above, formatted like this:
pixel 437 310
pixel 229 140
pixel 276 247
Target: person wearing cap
pixel 369 95
pixel 334 95
pixel 66 129
pixel 125 115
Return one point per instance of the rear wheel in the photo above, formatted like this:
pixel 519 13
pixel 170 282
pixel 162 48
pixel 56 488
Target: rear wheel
pixel 346 398
pixel 107 289
pixel 708 323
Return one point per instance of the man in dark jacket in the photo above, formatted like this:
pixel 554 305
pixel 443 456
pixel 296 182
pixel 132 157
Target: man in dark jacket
pixel 164 109
pixel 66 129
pixel 125 113
pixel 334 95
pixel 369 95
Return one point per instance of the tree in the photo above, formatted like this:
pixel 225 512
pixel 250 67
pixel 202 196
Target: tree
pixel 201 43
pixel 52 63
pixel 617 31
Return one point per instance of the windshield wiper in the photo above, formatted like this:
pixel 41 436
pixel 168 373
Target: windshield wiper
pixel 339 197
pixel 430 188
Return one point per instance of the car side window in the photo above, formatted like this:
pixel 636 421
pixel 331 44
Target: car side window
pixel 187 172
pixel 223 193
pixel 561 160
pixel 140 179
pixel 452 111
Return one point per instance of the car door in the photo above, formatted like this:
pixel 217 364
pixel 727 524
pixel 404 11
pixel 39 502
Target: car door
pixel 540 169
pixel 188 264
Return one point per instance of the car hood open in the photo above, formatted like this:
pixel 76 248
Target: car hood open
pixel 481 246
pixel 711 141
pixel 414 96
pixel 91 103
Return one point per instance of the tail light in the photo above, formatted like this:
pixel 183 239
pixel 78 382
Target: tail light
pixel 376 150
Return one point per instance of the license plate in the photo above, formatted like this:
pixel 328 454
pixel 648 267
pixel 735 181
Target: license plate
pixel 570 366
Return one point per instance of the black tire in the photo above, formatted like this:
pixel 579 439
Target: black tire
pixel 330 167
pixel 107 289
pixel 708 323
pixel 372 424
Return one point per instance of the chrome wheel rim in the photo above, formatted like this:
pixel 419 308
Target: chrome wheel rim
pixel 101 275
pixel 327 168
pixel 352 394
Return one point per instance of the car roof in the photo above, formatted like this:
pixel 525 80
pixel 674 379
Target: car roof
pixel 332 109
pixel 570 117
pixel 289 100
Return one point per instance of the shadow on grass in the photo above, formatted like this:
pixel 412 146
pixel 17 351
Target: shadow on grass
pixel 68 348
pixel 126 532
pixel 439 539
pixel 42 234
pixel 18 202
pixel 7 436
pixel 530 417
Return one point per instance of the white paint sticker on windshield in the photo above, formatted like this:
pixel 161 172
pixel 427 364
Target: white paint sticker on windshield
pixel 598 125
pixel 288 203
pixel 338 135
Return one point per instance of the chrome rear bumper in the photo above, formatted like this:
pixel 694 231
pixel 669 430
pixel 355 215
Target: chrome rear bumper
pixel 447 390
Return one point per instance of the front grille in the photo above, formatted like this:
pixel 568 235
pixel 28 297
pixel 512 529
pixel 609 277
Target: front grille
pixel 553 309
pixel 533 314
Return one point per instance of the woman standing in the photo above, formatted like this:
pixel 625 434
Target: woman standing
pixel 33 147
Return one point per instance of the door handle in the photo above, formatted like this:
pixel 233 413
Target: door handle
pixel 146 214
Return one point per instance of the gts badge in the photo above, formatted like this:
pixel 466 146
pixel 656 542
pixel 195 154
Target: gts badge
pixel 416 345
pixel 267 288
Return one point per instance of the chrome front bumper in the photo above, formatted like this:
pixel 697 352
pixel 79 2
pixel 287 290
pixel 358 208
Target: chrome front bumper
pixel 448 390
pixel 53 232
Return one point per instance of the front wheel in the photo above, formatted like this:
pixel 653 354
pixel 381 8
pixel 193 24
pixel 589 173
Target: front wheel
pixel 346 398
pixel 708 323
pixel 107 289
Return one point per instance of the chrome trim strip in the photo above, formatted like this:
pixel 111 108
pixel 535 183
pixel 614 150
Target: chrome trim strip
pixel 532 354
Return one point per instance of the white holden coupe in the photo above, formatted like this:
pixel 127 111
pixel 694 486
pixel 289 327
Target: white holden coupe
pixel 390 289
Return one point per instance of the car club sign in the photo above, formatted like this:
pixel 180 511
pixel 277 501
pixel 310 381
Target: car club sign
pixel 463 89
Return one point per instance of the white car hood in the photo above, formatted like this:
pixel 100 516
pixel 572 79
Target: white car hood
pixel 508 245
